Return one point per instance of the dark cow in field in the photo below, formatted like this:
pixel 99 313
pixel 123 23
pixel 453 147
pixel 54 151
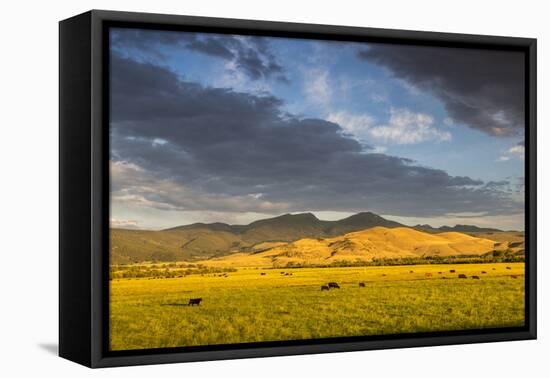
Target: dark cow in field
pixel 333 285
pixel 452 270
pixel 462 276
pixel 194 301
pixel 508 268
pixel 512 276
pixel 262 274
pixel 361 284
pixel 324 287
pixel 411 271
pixel 483 272
pixel 475 277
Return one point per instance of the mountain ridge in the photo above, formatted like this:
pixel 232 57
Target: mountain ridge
pixel 199 241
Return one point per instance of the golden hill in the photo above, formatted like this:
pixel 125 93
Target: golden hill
pixel 366 245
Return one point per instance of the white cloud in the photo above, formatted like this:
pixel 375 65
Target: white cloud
pixel 317 87
pixel 356 124
pixel 379 149
pixel 517 151
pixel 123 223
pixel 406 127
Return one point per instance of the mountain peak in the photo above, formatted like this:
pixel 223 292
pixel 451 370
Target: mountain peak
pixel 303 216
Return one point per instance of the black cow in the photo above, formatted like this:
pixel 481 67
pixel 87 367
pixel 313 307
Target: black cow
pixel 462 276
pixel 475 277
pixel 361 284
pixel 452 270
pixel 333 285
pixel 324 287
pixel 508 268
pixel 194 301
pixel 263 274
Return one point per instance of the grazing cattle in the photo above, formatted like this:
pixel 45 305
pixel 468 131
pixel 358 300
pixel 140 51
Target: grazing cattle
pixel 494 268
pixel 475 277
pixel 512 276
pixel 443 278
pixel 287 274
pixel 282 272
pixel 361 284
pixel 508 268
pixel 483 272
pixel 383 275
pixel 439 272
pixel 452 270
pixel 333 285
pixel 411 271
pixel 324 287
pixel 462 276
pixel 194 301
pixel 429 275
pixel 262 274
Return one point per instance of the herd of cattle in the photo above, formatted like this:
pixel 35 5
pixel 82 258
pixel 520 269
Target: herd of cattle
pixel 334 285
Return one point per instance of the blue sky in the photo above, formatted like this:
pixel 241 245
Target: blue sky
pixel 374 94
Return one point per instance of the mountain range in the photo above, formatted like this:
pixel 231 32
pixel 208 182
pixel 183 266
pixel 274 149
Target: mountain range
pixel 199 241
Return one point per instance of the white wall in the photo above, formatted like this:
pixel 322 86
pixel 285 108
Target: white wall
pixel 28 211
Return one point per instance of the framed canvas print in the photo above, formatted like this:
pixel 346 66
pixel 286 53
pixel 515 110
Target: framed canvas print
pixel 233 188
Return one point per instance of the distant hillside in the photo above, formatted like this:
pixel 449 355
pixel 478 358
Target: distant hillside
pixel 366 245
pixel 458 228
pixel 201 241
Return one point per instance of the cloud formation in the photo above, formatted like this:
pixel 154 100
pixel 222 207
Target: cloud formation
pixel 483 89
pixel 403 127
pixel 177 145
pixel 406 127
pixel 252 55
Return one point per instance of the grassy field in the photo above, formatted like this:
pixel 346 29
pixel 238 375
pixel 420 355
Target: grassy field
pixel 246 306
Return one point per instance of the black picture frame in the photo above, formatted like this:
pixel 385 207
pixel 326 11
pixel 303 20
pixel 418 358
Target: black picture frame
pixel 84 188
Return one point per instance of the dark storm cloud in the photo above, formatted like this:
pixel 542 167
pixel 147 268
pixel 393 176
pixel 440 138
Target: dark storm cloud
pixel 226 144
pixel 483 89
pixel 250 54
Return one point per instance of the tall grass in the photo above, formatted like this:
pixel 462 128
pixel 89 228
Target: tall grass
pixel 247 306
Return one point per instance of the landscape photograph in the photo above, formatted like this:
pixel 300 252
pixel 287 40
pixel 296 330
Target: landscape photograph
pixel 267 189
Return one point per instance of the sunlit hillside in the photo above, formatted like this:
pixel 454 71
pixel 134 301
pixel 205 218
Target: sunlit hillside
pixel 366 245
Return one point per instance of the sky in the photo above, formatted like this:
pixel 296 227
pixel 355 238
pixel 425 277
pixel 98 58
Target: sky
pixel 231 128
